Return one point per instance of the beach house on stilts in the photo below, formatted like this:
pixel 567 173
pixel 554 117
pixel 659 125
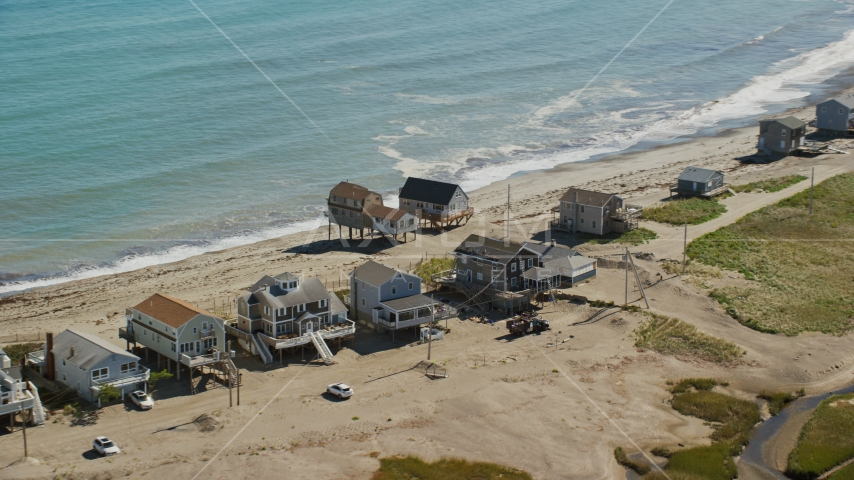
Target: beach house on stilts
pixel 436 204
pixel 355 207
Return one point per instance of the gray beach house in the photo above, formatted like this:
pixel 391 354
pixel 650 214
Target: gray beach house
pixel 388 298
pixel 699 182
pixel 286 311
pixel 835 117
pixel 781 135
pixel 86 363
pixel 355 207
pixel 597 213
pixel 436 204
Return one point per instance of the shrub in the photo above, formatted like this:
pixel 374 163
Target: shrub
pixel 426 269
pixel 108 393
pixel 157 376
pixel 698 384
pixel 638 467
pixel 17 351
pixel 408 468
pixel 637 236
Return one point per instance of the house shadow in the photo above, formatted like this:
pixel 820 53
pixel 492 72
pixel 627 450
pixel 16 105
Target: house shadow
pixel 759 158
pixel 368 341
pixel 368 245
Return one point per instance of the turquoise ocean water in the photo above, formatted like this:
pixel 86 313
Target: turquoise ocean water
pixel 134 133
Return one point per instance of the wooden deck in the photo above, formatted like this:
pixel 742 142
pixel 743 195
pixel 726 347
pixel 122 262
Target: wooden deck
pixel 441 221
pixel 674 188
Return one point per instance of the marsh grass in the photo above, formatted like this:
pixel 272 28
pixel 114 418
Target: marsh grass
pixel 698 384
pixel 769 185
pixel 826 440
pixel 671 336
pixel 17 351
pixel 635 237
pixel 695 269
pixel 845 473
pixel 411 468
pixel 694 211
pixel 797 259
pixel 712 462
pixel 778 400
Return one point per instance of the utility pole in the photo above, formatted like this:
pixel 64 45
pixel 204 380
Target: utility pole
pixel 238 387
pixel 230 380
pixel 430 330
pixel 685 250
pixel 24 423
pixel 626 258
pixel 508 215
pixel 812 184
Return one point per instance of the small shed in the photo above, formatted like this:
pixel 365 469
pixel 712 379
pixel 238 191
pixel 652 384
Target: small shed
pixel 835 117
pixel 781 135
pixel 699 182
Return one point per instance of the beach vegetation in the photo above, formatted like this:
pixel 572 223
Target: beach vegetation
pixel 427 268
pixel 695 384
pixel 844 473
pixel 778 400
pixel 693 211
pixel 158 376
pixel 769 185
pixel 410 468
pixel 795 257
pixel 108 393
pixel 342 293
pixel 18 351
pixel 634 237
pixel 640 468
pixel 826 440
pixel 671 336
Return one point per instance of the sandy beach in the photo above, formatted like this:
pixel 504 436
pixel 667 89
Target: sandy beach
pixel 554 405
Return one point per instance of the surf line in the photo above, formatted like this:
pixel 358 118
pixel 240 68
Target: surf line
pixel 262 72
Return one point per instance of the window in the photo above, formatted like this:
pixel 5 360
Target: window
pixel 823 109
pixel 100 373
pixel 479 276
pixel 410 285
pixel 594 223
pixel 131 367
pixel 513 282
pixel 324 303
pixel 173 347
pixel 419 204
pixel 363 302
pixel 530 262
pixel 459 194
pixel 582 221
pixel 840 111
pixel 582 209
pixel 204 326
pixel 63 362
pixel 393 290
pixel 64 378
pixel 334 211
pixel 149 321
pixel 266 310
pixel 351 213
pixel 439 207
pixel 463 260
pixel 301 307
pixel 783 132
pixel 363 285
pixel 513 267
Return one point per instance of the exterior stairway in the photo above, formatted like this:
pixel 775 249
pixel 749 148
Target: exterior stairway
pixel 38 410
pixel 262 349
pixel 232 371
pixel 321 347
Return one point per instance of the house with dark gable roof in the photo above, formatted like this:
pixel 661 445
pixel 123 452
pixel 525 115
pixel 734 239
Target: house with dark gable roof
pixel 699 182
pixel 287 311
pixel 388 298
pixel 782 135
pixel 568 265
pixel 437 204
pixel 599 213
pixel 835 117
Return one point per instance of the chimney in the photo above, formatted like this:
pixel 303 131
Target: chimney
pixel 49 362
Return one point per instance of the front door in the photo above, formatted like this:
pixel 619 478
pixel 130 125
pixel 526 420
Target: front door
pixel 761 142
pixel 468 275
pixel 197 348
pixel 309 327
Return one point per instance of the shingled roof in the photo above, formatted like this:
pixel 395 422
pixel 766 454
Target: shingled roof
pixel 431 191
pixel 697 174
pixel 846 101
pixel 587 197
pixel 351 191
pixel 374 273
pixel 489 248
pixel 789 122
pixel 387 213
pixel 171 311
pixel 89 350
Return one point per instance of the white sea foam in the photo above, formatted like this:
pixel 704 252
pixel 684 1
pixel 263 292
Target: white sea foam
pixel 174 254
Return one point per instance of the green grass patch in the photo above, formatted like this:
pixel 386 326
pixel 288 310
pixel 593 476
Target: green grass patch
pixel 769 185
pixel 638 467
pixel 778 400
pixel 432 266
pixel 699 384
pixel 17 351
pixel 845 473
pixel 795 257
pixel 671 336
pixel 711 462
pixel 637 236
pixel 733 418
pixel 826 440
pixel 693 211
pixel 412 468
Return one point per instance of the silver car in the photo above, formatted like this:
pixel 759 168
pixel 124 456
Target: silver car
pixel 142 400
pixel 340 390
pixel 105 446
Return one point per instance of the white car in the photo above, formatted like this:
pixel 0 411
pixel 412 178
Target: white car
pixel 105 446
pixel 340 390
pixel 142 400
